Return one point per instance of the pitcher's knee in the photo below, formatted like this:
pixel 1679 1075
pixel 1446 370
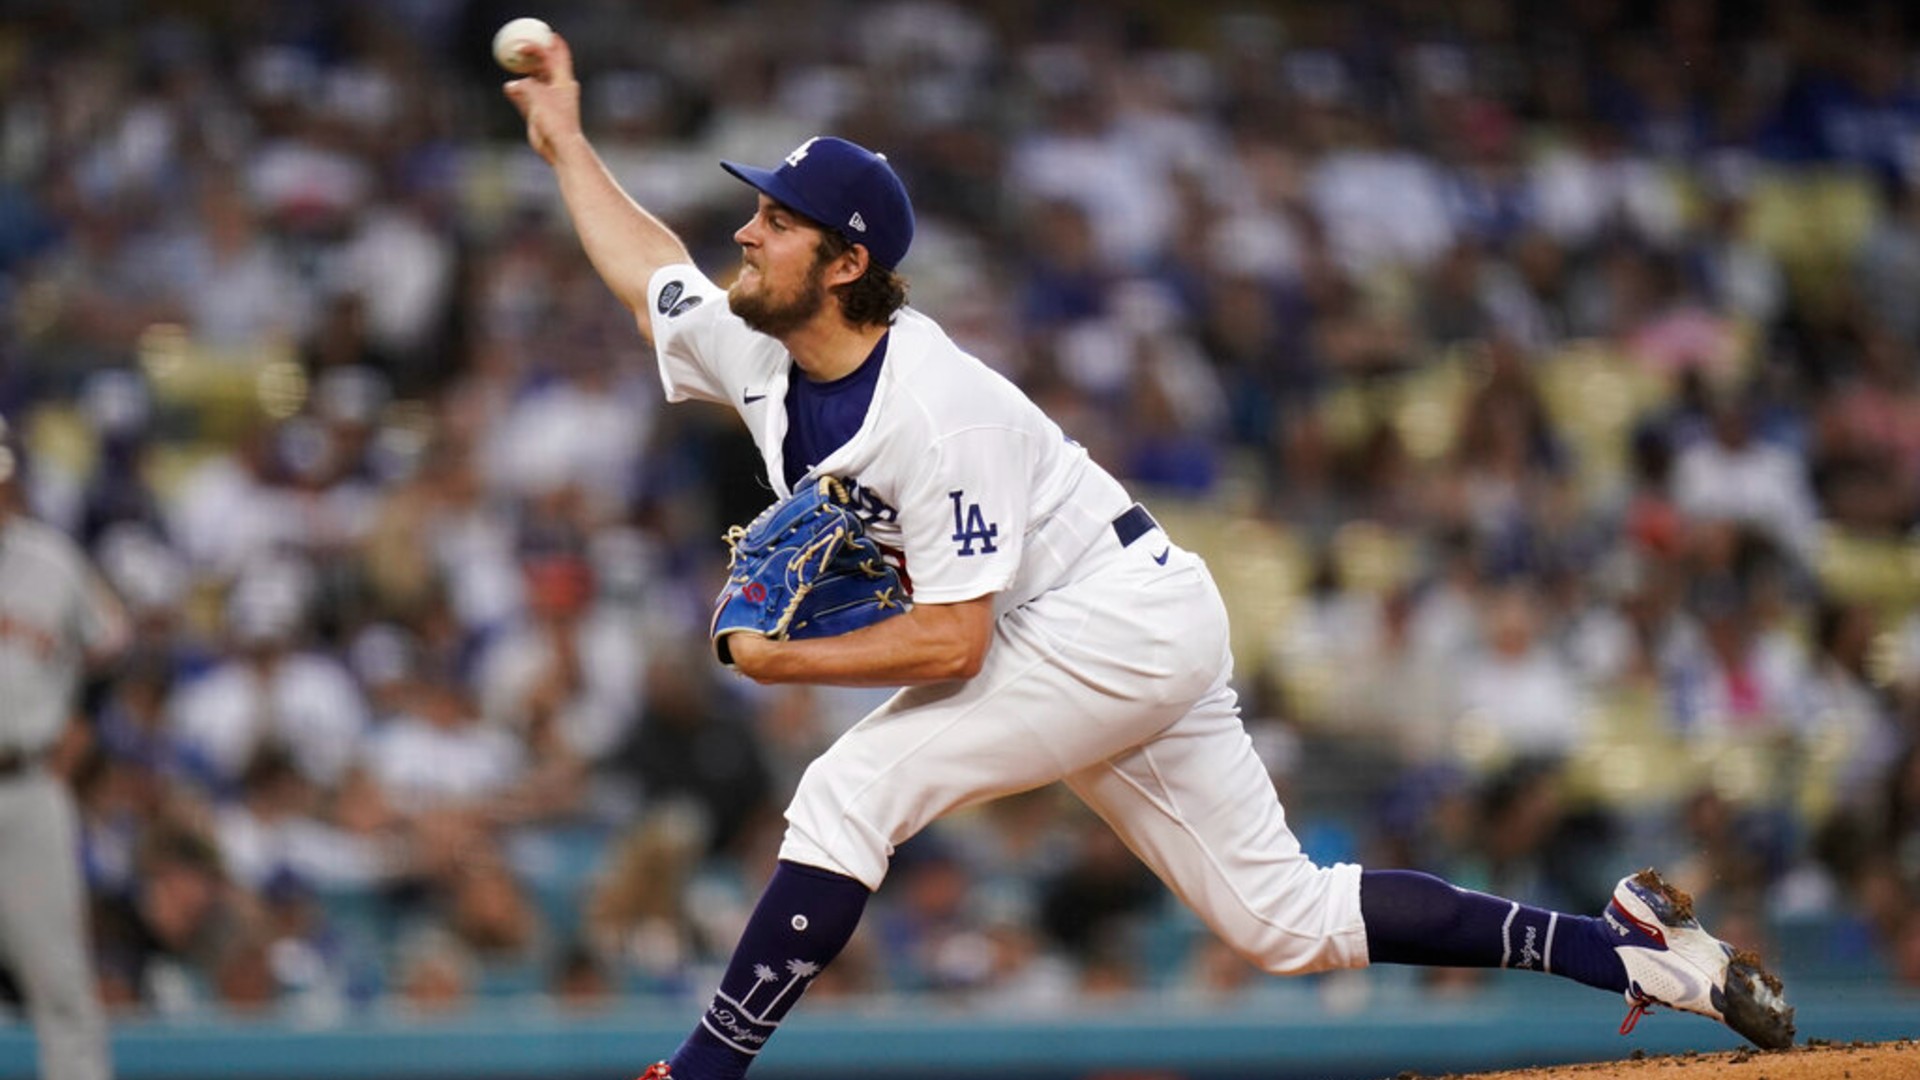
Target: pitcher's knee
pixel 824 831
pixel 864 866
pixel 1299 955
pixel 1311 925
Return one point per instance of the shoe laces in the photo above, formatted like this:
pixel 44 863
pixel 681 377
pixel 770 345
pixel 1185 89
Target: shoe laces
pixel 1638 1009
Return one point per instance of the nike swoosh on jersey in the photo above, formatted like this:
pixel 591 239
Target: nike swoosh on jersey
pixel 1162 557
pixel 751 398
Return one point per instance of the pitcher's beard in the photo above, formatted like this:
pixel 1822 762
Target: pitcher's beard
pixel 776 317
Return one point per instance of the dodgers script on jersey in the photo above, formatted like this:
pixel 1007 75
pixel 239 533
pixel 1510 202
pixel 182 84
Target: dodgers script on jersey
pixel 953 467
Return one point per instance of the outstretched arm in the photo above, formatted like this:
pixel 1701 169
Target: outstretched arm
pixel 625 243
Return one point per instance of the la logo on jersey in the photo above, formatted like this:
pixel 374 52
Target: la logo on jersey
pixel 970 525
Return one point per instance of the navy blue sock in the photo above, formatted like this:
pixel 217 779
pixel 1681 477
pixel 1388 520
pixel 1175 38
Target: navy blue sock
pixel 1415 918
pixel 803 920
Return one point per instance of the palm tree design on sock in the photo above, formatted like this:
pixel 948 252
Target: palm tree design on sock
pixel 762 975
pixel 799 969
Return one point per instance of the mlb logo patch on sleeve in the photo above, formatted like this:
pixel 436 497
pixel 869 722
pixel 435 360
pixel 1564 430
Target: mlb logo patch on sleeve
pixel 669 293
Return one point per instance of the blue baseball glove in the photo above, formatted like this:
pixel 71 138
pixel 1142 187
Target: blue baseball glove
pixel 805 568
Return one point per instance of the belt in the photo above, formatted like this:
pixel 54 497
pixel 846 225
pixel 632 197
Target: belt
pixel 1133 524
pixel 15 762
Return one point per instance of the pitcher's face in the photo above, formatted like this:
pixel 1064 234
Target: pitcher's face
pixel 782 282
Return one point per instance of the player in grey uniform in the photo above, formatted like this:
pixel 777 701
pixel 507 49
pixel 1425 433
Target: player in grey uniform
pixel 1057 634
pixel 56 619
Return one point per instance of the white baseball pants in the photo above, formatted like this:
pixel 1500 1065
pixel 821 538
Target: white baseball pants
pixel 1118 684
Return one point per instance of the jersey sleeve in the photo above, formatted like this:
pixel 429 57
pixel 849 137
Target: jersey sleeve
pixel 687 312
pixel 104 628
pixel 965 516
pixel 95 620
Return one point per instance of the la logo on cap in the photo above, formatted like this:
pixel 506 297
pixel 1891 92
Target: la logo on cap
pixel 800 152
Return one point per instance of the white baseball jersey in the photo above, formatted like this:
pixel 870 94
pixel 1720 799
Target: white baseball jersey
pixel 954 466
pixel 53 610
pixel 1110 667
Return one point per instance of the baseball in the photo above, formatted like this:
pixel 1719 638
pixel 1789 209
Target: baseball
pixel 513 45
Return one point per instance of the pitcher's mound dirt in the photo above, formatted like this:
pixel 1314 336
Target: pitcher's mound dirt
pixel 1818 1060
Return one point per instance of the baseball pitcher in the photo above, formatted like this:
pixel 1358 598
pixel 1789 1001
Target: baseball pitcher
pixel 1053 631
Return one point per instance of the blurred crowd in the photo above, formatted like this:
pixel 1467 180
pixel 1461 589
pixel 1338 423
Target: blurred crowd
pixel 1540 377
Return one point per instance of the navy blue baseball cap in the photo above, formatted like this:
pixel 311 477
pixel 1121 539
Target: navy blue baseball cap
pixel 845 187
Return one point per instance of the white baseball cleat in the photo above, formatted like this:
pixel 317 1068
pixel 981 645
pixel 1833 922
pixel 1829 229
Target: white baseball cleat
pixel 1672 961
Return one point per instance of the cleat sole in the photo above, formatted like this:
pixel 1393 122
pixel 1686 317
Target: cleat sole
pixel 1756 1004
